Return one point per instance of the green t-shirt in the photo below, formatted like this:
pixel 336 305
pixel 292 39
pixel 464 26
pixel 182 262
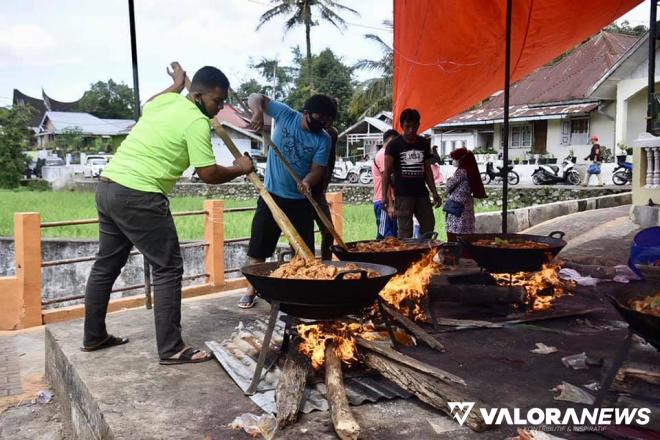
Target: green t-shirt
pixel 171 135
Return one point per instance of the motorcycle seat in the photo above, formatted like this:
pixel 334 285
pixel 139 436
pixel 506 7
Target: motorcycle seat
pixel 554 168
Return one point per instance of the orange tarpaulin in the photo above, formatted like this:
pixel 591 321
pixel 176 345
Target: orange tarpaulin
pixel 449 54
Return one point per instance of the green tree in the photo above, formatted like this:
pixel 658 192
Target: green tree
pixel 278 78
pixel 14 138
pixel 108 100
pixel 304 12
pixel 375 94
pixel 331 77
pixel 625 28
pixel 69 140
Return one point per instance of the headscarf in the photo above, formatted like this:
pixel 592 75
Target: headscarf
pixel 467 161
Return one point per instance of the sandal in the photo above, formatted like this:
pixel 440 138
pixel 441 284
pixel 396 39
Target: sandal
pixel 110 341
pixel 247 301
pixel 186 357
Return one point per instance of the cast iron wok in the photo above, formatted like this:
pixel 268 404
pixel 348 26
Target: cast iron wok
pixel 319 299
pixel 645 325
pixel 400 260
pixel 511 260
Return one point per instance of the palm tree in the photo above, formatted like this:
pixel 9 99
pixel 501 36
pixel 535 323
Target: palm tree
pixel 302 12
pixel 375 94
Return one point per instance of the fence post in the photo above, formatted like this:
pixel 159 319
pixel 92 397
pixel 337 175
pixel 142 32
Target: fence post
pixel 214 235
pixel 336 202
pixel 27 242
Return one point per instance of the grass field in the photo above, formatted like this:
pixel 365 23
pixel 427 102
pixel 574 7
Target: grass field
pixel 359 223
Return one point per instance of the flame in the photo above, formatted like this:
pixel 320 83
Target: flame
pixel 537 284
pixel 316 336
pixel 406 291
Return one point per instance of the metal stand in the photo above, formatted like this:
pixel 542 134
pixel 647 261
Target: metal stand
pixel 388 323
pixel 621 356
pixel 274 310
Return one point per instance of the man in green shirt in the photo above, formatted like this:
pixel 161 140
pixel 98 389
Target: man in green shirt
pixel 172 134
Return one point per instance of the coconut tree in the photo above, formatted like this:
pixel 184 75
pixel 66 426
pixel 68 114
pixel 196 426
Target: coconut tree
pixel 306 13
pixel 375 94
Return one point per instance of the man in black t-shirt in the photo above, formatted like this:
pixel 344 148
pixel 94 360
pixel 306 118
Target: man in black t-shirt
pixel 409 158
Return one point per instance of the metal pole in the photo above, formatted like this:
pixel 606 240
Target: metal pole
pixel 651 85
pixel 136 115
pixel 505 135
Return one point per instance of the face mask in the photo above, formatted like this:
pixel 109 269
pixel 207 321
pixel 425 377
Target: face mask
pixel 202 108
pixel 315 126
pixel 455 163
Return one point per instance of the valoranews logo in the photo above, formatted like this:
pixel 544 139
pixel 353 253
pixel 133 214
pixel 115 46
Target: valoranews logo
pixel 552 416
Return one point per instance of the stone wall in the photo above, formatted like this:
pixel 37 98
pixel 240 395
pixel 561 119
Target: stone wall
pixel 519 196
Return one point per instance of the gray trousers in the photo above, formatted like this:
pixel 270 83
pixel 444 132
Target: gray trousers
pixel 421 208
pixel 130 218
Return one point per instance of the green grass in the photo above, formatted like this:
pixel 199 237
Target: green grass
pixel 359 222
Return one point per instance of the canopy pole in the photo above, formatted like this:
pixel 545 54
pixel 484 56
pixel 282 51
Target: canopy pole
pixel 505 135
pixel 650 114
pixel 136 85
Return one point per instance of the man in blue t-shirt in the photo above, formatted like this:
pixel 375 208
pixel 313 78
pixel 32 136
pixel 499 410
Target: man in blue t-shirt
pixel 306 146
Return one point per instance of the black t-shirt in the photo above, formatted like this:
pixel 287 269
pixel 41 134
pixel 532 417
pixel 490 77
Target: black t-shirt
pixel 409 161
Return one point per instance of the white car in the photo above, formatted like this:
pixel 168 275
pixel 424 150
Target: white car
pixel 94 166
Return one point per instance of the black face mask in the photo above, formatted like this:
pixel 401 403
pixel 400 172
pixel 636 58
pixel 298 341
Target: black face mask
pixel 202 108
pixel 315 126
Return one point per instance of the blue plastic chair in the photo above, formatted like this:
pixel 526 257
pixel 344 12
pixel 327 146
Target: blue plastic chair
pixel 645 248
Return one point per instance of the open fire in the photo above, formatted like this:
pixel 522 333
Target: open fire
pixel 405 292
pixel 543 287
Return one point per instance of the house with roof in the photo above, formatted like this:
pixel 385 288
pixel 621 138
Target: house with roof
pixel 362 138
pixel 552 111
pixel 55 123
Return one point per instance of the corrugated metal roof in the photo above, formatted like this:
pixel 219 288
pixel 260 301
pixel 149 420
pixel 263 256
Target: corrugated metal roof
pixel 89 124
pixel 238 355
pixel 519 113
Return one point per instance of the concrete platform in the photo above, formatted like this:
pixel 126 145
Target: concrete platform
pixel 123 393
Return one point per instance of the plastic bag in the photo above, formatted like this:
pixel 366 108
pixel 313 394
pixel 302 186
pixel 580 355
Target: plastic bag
pixel 264 425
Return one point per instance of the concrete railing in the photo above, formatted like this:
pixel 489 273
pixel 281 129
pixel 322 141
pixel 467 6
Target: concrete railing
pixel 21 303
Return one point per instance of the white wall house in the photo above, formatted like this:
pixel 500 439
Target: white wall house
pixel 553 111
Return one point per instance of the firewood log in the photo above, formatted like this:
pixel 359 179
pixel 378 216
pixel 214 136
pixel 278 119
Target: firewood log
pixel 291 386
pixel 345 425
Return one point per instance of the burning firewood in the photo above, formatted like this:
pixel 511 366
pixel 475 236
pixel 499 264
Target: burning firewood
pixel 478 294
pixel 290 390
pixel 415 329
pixel 345 425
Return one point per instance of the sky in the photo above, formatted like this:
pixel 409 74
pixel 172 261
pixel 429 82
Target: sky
pixel 66 45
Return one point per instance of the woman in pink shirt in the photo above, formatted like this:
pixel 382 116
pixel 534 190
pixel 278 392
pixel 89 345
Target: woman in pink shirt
pixel 385 222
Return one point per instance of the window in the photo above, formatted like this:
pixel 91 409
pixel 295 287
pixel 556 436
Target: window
pixel 579 131
pixel 444 148
pixel 521 136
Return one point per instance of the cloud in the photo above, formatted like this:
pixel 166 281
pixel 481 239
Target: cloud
pixel 25 36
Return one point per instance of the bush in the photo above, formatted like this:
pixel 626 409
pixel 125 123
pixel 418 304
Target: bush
pixel 35 185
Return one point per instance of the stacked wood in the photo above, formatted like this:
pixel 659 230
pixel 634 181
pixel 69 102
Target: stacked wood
pixel 345 425
pixel 475 294
pixel 415 329
pixel 291 385
pixel 428 388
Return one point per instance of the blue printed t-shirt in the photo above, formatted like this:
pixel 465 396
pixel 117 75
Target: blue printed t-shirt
pixel 300 147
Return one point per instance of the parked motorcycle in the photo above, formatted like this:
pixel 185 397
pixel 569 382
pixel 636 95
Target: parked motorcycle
pixel 496 176
pixel 366 176
pixel 551 174
pixel 342 171
pixel 622 173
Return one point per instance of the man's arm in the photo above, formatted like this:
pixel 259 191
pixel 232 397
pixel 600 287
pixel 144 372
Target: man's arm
pixel 387 171
pixel 178 76
pixel 214 174
pixel 258 104
pixel 315 175
pixel 430 182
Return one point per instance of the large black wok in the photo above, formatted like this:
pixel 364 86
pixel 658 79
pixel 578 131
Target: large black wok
pixel 319 299
pixel 646 326
pixel 400 260
pixel 510 260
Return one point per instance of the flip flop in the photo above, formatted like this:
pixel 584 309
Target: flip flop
pixel 247 301
pixel 110 341
pixel 187 357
